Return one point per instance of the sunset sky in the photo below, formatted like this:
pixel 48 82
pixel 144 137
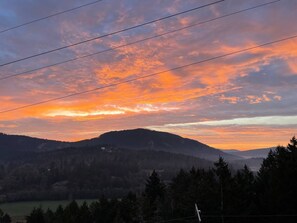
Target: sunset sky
pixel 243 101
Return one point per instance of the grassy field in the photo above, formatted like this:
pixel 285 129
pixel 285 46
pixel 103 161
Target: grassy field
pixel 18 210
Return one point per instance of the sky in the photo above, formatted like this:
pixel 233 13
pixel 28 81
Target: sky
pixel 241 101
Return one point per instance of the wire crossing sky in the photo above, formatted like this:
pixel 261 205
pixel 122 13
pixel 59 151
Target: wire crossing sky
pixel 150 75
pixel 112 33
pixel 49 16
pixel 139 41
pixel 200 74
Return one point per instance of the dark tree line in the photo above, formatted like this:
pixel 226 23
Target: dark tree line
pixel 268 196
pixel 76 173
pixel 4 217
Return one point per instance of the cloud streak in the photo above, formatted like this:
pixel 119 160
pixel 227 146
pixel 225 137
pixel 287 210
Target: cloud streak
pixel 234 99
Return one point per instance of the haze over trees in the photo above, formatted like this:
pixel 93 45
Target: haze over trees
pixel 268 196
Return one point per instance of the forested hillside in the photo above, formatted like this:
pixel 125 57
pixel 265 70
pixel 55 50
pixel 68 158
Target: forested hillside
pixel 145 139
pixel 222 196
pixel 86 172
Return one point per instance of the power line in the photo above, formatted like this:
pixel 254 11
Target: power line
pixel 219 216
pixel 49 16
pixel 150 75
pixel 138 41
pixel 112 33
pixel 173 219
pixel 250 216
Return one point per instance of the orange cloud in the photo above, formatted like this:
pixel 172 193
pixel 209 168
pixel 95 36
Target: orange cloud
pixel 178 93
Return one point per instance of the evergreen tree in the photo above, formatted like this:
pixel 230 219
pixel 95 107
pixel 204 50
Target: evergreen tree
pixel 129 209
pixel 277 182
pixel 222 171
pixel 4 218
pixel 95 211
pixel 85 214
pixel 1 213
pixel 153 197
pixel 225 183
pixel 71 213
pixel 244 191
pixel 104 211
pixel 49 216
pixel 36 216
pixel 59 215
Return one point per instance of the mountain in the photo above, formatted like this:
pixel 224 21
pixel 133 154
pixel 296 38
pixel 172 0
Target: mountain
pixel 247 154
pixel 144 139
pixel 15 144
pixel 136 139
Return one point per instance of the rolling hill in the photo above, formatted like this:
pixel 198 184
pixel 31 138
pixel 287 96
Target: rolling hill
pixel 26 143
pixel 136 139
pixel 144 139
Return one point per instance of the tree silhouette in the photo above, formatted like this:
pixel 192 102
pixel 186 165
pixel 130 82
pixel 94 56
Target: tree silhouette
pixel 4 218
pixel 84 214
pixel 71 213
pixel 36 216
pixel 129 209
pixel 277 182
pixel 153 197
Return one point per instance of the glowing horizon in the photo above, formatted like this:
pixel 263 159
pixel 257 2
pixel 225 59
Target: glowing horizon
pixel 243 101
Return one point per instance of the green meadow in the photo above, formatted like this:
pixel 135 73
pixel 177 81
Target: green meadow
pixel 18 210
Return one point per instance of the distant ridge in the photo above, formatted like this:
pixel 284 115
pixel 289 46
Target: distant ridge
pixel 145 139
pixel 253 153
pixel 30 144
